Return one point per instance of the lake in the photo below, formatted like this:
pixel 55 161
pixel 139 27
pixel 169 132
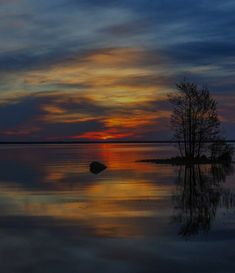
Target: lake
pixel 57 217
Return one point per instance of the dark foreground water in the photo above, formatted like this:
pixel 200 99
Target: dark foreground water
pixel 56 217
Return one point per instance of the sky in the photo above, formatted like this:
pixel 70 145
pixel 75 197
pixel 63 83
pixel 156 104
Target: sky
pixel 102 69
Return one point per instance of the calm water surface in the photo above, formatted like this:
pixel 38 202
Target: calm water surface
pixel 56 216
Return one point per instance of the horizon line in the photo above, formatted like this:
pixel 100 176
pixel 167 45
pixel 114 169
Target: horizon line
pixel 101 142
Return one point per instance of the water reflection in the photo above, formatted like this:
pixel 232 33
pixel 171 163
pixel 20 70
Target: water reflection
pixel 56 217
pixel 53 184
pixel 129 199
pixel 199 194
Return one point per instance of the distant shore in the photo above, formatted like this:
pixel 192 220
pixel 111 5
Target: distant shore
pixel 90 142
pixel 99 142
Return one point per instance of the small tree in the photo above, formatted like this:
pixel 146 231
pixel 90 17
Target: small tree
pixel 220 150
pixel 194 119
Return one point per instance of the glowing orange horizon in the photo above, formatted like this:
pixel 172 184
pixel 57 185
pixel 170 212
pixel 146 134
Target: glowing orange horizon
pixel 102 135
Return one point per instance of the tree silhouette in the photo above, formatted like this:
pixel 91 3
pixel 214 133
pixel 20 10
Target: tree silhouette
pixel 194 119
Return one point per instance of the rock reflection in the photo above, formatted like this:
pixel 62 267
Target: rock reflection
pixel 199 194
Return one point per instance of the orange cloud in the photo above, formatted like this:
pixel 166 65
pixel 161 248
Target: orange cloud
pixel 103 135
pixel 113 87
pixel 113 76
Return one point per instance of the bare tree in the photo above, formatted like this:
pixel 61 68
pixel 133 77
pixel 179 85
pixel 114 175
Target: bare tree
pixel 194 119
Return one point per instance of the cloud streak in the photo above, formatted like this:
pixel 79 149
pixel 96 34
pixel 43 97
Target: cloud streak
pixel 102 69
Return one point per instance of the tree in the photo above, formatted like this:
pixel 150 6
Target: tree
pixel 194 119
pixel 220 150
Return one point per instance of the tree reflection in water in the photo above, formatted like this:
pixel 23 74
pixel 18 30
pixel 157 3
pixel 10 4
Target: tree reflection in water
pixel 198 195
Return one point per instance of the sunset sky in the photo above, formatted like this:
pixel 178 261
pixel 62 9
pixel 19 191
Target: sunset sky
pixel 102 69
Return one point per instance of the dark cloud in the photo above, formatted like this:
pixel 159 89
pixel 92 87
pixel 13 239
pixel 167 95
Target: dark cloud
pixel 202 52
pixel 16 112
pixel 53 116
pixel 28 118
pixel 62 131
pixel 32 59
pixel 127 28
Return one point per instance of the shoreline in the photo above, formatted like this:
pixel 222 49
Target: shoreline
pixel 98 142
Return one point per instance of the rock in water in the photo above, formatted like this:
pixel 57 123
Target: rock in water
pixel 97 167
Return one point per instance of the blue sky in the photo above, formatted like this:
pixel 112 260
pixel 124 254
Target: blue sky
pixel 102 69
